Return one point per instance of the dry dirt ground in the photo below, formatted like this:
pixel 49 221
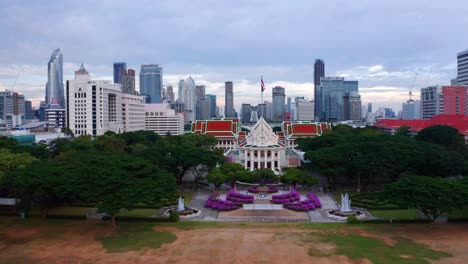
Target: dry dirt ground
pixel 75 242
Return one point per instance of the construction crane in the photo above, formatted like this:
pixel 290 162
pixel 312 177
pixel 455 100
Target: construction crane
pixel 14 84
pixel 411 87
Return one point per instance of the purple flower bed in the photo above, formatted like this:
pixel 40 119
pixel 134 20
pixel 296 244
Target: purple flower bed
pixel 311 203
pixel 271 189
pixel 222 205
pixel 290 197
pixel 234 196
pixel 253 189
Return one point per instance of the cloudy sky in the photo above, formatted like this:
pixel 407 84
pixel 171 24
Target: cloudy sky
pixel 382 44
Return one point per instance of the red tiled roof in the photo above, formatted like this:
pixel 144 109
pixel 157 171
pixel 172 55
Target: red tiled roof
pixel 460 122
pixel 304 129
pixel 218 125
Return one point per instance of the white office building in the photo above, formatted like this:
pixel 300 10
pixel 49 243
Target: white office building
pixel 431 102
pixel 162 120
pixel 93 107
pixel 133 112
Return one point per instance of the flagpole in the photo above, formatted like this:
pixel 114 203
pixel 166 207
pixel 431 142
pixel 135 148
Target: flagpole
pixel 261 97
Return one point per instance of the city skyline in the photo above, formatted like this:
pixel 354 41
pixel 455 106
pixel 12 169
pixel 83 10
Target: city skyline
pixel 375 49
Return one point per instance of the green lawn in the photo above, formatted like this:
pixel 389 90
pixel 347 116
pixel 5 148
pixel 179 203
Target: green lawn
pixel 136 237
pixel 396 214
pixel 461 213
pixel 81 211
pixel 358 247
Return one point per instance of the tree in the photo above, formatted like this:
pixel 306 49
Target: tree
pixel 431 196
pixel 265 175
pixel 294 176
pixel 403 131
pixel 10 161
pixel 37 184
pixel 234 172
pixel 443 135
pixel 217 177
pixel 116 181
pixel 67 131
pixel 109 143
pixel 277 129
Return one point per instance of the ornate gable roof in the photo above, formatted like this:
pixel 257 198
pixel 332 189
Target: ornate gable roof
pixel 262 135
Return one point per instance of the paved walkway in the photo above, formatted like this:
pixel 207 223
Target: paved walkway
pixel 263 210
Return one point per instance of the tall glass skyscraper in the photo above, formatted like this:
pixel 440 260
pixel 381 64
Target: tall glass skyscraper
pixel 54 86
pixel 278 103
pixel 151 82
pixel 319 72
pixel 331 92
pixel 120 70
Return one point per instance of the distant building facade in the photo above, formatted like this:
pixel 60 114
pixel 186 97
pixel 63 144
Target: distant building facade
pixel 332 92
pixel 411 110
pixel 151 81
pixel 54 86
pixel 319 72
pixel 462 68
pixel 162 120
pixel 229 100
pixel 279 95
pixel 93 107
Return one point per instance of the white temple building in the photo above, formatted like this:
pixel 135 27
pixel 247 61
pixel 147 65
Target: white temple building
pixel 262 149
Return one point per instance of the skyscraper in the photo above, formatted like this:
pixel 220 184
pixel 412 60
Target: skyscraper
pixel 369 107
pixel 278 103
pixel 130 82
pixel 199 94
pixel 352 106
pixel 411 110
pixel 151 80
pixel 213 107
pixel 187 98
pixel 332 91
pixel 228 100
pixel 431 102
pixel 120 71
pixel 462 68
pixel 319 72
pixel 170 93
pixel 54 87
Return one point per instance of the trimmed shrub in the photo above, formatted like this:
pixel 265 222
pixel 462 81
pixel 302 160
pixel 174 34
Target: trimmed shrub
pixel 352 219
pixel 174 217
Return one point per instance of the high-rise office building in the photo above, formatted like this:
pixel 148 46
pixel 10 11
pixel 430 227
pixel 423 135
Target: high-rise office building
pixel 411 110
pixel 462 68
pixel 213 107
pixel 120 72
pixel 455 100
pixel 170 93
pixel 162 120
pixel 352 106
pixel 130 82
pixel 124 77
pixel 187 98
pixel 204 108
pixel 151 80
pixel 228 100
pixel 246 110
pixel 268 110
pixel 54 86
pixel 319 72
pixel 199 94
pixel 431 102
pixel 12 108
pixel 93 107
pixel 28 111
pixel 369 107
pixel 332 91
pixel 278 103
pixel 305 110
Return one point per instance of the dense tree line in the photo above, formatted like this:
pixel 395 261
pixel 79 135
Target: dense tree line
pixel 362 157
pixel 113 171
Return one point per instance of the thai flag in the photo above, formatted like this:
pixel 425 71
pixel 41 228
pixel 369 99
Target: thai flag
pixel 263 84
